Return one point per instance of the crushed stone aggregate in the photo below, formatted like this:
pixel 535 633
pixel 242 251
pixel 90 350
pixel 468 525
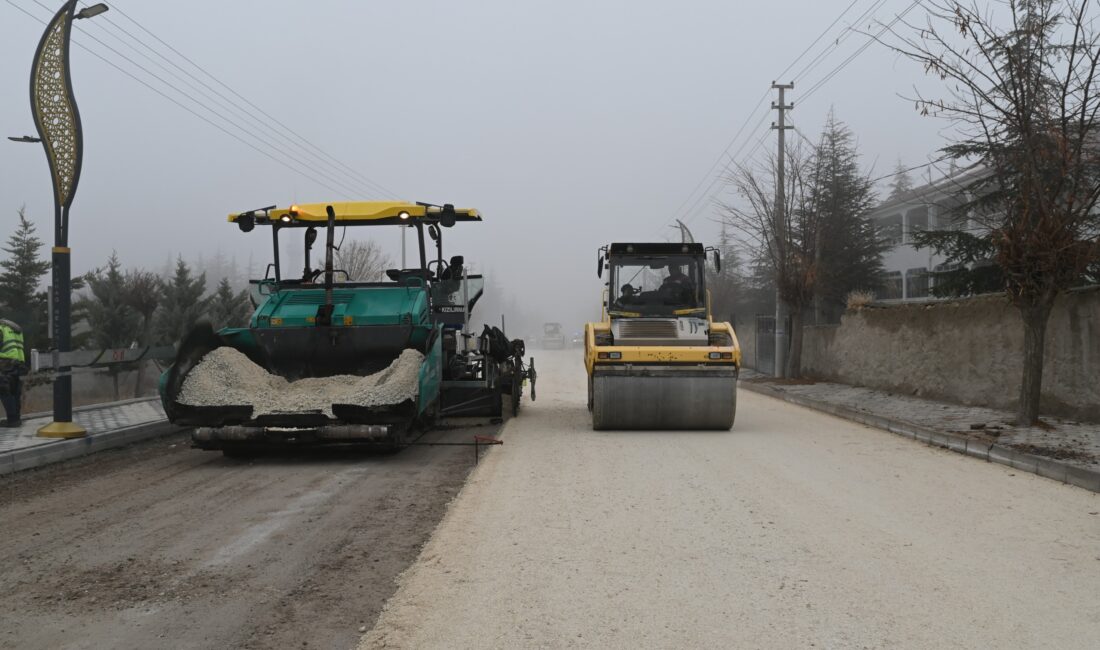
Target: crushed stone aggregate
pixel 226 377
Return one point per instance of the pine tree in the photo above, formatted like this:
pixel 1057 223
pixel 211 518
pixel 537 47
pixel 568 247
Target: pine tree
pixel 182 304
pixel 727 287
pixel 20 280
pixel 112 323
pixel 142 294
pixel 901 182
pixel 229 308
pixel 848 249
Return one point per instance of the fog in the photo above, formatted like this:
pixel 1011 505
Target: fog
pixel 567 124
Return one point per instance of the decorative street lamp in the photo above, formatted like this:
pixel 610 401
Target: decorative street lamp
pixel 58 123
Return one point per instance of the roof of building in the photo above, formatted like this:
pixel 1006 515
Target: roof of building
pixel 928 192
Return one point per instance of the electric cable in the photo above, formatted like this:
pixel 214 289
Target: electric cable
pixel 305 141
pixel 308 148
pixel 280 161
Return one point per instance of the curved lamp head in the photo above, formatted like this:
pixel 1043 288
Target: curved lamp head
pixel 92 11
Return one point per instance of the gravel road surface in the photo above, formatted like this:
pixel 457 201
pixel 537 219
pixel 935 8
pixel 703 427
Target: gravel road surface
pixel 794 530
pixel 162 546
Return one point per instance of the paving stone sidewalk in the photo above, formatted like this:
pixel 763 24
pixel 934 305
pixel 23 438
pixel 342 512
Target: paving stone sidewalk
pixel 1067 441
pixel 108 425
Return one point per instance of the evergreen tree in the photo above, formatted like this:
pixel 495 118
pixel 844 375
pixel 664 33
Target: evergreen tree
pixel 229 308
pixel 726 285
pixel 142 294
pixel 901 182
pixel 182 304
pixel 826 246
pixel 20 280
pixel 848 248
pixel 112 323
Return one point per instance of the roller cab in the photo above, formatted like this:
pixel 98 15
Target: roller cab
pixel 657 360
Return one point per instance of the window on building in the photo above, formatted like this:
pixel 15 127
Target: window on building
pixel 940 271
pixel 916 283
pixel 891 286
pixel 889 229
pixel 917 219
pixel 950 214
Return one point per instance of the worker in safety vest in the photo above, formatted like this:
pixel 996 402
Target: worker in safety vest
pixel 12 366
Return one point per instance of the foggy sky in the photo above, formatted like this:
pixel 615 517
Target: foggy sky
pixel 568 124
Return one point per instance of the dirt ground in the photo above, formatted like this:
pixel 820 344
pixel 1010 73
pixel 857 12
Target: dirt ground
pixel 160 545
pixel 794 530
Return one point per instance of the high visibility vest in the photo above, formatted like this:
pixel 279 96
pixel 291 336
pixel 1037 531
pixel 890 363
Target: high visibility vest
pixel 11 341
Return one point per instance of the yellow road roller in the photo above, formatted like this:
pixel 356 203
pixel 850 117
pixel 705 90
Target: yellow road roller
pixel 657 360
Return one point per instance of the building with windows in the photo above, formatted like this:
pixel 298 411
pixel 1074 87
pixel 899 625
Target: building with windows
pixel 910 272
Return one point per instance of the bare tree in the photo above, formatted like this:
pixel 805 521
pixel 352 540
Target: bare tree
pixel 1021 89
pixel 363 260
pixel 788 245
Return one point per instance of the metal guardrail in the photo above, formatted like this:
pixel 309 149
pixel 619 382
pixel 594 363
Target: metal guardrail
pixel 52 359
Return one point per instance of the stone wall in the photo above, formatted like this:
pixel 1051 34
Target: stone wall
pixel 964 351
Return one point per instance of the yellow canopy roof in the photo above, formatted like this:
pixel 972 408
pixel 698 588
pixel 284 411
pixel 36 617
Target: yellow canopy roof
pixel 361 212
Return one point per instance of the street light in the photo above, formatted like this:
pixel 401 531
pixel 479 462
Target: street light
pixel 92 11
pixel 24 138
pixel 58 123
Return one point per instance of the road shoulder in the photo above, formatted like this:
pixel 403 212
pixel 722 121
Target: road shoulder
pixel 988 434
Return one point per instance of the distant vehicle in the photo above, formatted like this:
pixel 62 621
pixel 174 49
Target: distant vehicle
pixel 578 340
pixel 552 336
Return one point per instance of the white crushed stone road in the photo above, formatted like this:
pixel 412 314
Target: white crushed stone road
pixel 796 529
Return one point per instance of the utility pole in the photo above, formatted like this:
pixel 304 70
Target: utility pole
pixel 780 227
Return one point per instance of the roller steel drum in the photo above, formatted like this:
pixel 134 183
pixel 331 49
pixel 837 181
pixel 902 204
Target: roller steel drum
pixel 664 397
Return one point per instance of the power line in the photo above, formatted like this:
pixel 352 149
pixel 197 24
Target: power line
pixel 274 147
pixel 698 207
pixel 715 177
pixel 302 139
pixel 818 85
pixel 218 98
pixel 816 40
pixel 835 44
pixel 291 161
pixel 824 80
pixel 909 169
pixel 883 177
pixel 221 128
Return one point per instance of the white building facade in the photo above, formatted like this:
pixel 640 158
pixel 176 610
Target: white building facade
pixel 910 272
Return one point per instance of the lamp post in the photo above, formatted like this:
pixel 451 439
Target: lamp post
pixel 58 123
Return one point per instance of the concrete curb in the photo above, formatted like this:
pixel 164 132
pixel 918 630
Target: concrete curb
pixel 992 452
pixel 93 407
pixel 18 460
